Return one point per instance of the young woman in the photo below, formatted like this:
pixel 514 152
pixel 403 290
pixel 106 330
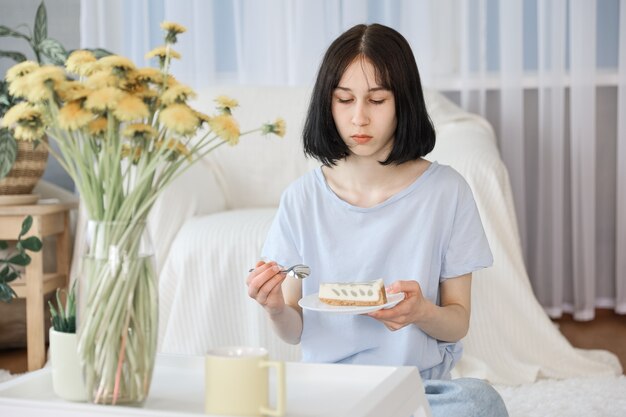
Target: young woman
pixel 376 208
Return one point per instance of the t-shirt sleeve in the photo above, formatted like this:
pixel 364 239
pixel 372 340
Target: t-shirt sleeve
pixel 468 249
pixel 280 244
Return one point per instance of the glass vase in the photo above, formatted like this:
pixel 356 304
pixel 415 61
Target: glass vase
pixel 118 309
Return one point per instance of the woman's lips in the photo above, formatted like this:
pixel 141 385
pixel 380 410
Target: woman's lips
pixel 361 139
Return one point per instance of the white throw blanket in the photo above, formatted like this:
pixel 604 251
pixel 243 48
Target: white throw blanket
pixel 600 396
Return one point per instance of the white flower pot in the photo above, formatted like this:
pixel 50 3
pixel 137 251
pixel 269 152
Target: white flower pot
pixel 67 379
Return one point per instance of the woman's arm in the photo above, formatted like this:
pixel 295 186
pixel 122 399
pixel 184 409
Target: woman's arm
pixel 448 322
pixel 278 295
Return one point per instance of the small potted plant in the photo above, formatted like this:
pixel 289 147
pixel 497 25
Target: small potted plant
pixel 67 381
pixel 14 155
pixel 23 162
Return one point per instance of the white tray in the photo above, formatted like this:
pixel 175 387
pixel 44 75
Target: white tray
pixel 178 390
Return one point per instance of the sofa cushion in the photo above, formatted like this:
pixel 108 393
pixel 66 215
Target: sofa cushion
pixel 203 294
pixel 256 171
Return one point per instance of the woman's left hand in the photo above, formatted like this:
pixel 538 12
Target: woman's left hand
pixel 408 311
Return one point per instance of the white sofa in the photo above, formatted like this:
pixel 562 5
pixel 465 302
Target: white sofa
pixel 209 227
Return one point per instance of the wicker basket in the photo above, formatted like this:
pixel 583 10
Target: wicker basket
pixel 28 168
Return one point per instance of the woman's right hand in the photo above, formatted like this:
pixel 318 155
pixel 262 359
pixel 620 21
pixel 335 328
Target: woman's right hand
pixel 264 286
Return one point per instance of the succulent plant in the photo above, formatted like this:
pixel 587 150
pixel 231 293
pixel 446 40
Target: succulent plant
pixel 64 317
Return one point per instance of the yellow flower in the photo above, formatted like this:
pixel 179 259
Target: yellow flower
pixel 130 108
pixel 171 81
pixel 20 70
pixel 173 27
pixel 116 62
pixel 135 152
pixel 178 93
pixel 73 116
pixel 175 146
pixel 225 103
pixel 149 74
pixel 41 83
pixel 16 113
pixel 19 86
pixel 72 90
pixel 26 121
pixel 20 112
pixel 204 118
pixel 279 128
pixel 225 126
pixel 98 126
pixel 103 99
pixel 179 118
pixel 102 79
pixel 140 130
pixel 161 52
pixel 182 149
pixel 81 63
pixel 28 134
pixel 146 94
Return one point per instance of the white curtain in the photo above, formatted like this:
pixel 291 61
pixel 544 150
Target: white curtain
pixel 620 248
pixel 529 66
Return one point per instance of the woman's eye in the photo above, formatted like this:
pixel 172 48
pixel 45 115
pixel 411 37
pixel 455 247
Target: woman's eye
pixel 344 100
pixel 377 101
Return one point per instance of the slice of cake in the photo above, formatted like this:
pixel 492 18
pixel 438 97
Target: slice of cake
pixel 371 293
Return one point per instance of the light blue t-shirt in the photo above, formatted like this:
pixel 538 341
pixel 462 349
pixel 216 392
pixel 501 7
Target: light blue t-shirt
pixel 428 232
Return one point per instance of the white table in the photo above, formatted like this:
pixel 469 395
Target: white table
pixel 178 390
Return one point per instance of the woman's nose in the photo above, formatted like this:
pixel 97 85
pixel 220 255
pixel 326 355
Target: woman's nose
pixel 360 117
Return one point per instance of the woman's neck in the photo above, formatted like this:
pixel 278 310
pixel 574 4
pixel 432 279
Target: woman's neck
pixel 366 183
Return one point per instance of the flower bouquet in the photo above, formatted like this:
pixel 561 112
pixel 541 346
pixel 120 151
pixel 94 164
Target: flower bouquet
pixel 124 134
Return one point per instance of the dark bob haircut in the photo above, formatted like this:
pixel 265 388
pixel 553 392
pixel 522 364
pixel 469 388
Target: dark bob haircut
pixel 395 70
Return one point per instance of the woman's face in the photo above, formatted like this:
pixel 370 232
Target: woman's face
pixel 364 112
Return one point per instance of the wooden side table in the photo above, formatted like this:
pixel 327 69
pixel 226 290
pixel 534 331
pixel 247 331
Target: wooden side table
pixel 48 220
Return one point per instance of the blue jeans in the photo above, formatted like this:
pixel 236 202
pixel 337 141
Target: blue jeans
pixel 464 397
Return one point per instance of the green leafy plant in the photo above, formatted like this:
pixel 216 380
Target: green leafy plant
pixel 10 266
pixel 64 318
pixel 46 51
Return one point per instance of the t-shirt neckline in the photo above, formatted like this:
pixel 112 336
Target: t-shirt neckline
pixel 397 196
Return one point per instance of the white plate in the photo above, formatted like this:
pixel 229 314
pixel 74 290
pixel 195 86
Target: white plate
pixel 312 302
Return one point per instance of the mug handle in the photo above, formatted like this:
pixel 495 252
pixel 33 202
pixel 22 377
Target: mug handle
pixel 280 388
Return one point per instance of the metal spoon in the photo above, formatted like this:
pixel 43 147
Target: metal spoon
pixel 298 271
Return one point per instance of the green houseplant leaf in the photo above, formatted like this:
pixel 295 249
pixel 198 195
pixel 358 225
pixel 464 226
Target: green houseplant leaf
pixel 53 51
pixel 21 259
pixel 6 31
pixel 64 318
pixel 26 225
pixel 8 271
pixel 41 24
pixel 14 55
pixel 7 294
pixel 99 52
pixel 32 243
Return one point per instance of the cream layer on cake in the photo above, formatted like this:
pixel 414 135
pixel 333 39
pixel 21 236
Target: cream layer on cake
pixel 371 293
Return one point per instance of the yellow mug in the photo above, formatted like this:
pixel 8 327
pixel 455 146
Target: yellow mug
pixel 237 382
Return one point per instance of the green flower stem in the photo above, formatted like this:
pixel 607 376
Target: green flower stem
pixel 133 284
